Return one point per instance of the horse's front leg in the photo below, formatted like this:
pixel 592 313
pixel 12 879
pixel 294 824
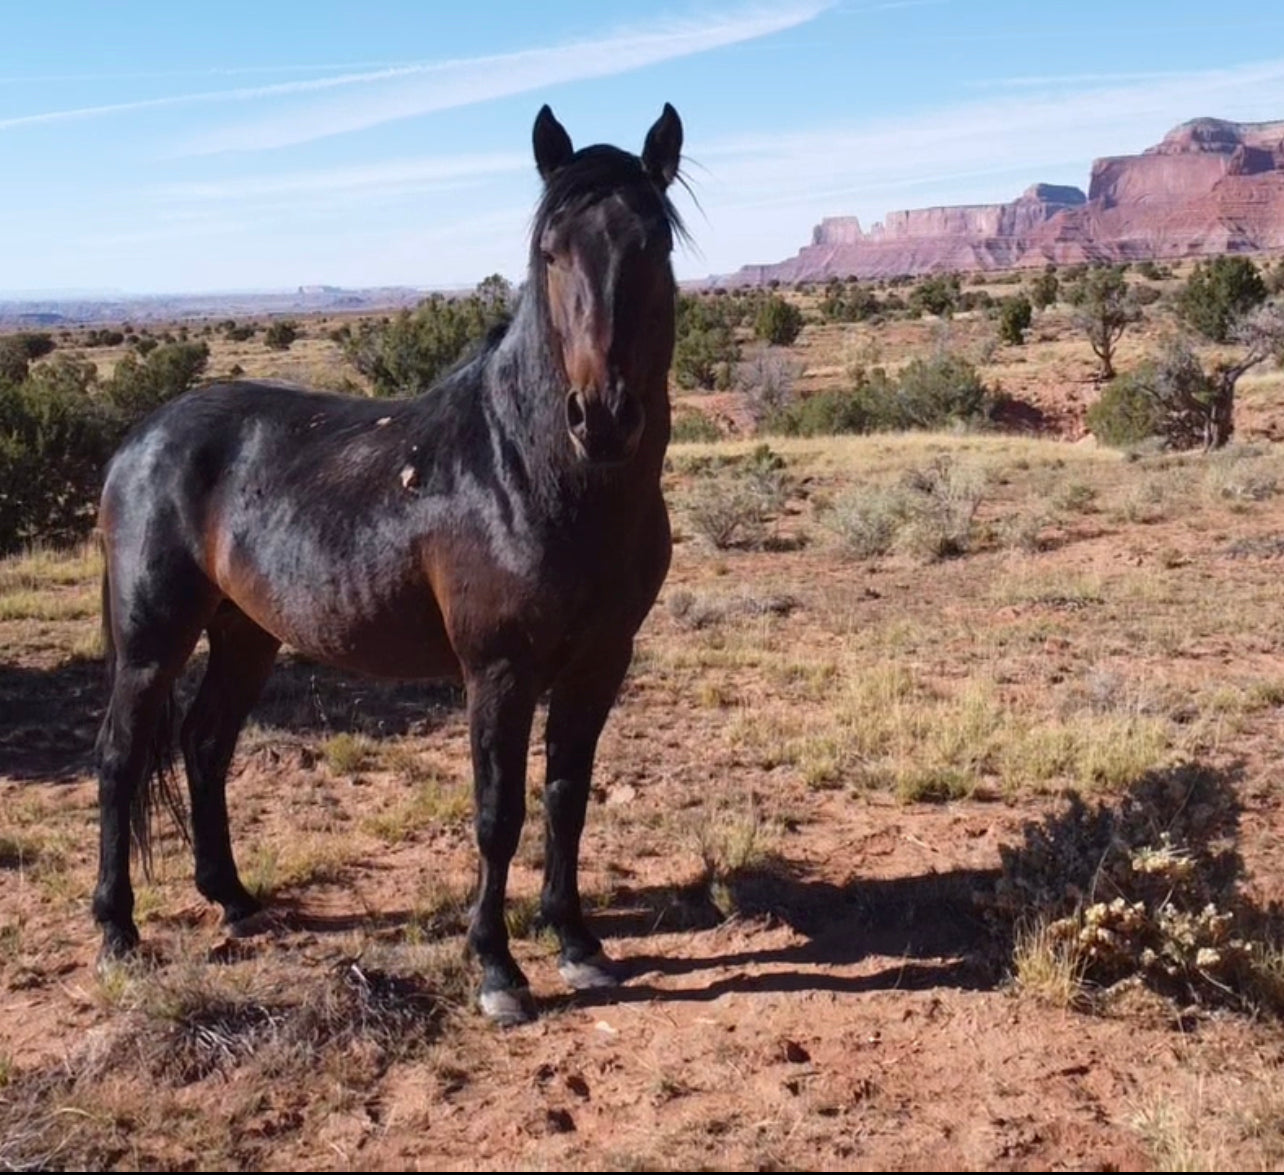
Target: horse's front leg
pixel 501 704
pixel 577 711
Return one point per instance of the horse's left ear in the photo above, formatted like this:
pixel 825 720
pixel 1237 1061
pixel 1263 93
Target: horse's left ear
pixel 552 144
pixel 663 149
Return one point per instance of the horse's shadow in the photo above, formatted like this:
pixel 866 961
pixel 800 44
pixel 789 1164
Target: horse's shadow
pixel 49 718
pixel 925 927
pixel 952 929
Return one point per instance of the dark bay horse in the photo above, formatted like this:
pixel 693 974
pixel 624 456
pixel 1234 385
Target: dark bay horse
pixel 506 528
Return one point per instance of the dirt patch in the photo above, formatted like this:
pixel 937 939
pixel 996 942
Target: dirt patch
pixel 799 808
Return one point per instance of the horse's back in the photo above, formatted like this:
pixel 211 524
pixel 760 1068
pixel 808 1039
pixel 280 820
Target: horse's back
pixel 282 499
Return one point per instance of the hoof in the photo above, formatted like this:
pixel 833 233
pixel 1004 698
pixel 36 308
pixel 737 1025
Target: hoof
pixel 259 922
pixel 508 1007
pixel 119 946
pixel 597 971
pixel 111 960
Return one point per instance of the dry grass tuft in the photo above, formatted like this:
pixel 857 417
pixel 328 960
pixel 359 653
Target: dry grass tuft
pixel 1049 968
pixel 199 1025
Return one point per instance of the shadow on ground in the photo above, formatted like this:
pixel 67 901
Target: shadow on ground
pixel 49 718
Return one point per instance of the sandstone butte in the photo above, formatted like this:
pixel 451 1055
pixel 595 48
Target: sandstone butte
pixel 1210 187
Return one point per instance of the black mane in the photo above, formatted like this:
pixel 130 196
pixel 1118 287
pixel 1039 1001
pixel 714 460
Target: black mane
pixel 593 174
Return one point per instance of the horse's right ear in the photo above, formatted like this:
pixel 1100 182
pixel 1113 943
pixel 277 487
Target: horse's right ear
pixel 663 149
pixel 552 144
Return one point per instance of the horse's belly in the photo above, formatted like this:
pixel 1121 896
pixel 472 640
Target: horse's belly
pixel 355 623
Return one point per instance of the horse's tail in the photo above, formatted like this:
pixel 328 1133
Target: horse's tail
pixel 159 784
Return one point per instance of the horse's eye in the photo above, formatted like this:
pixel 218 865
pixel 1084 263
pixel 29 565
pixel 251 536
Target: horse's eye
pixel 549 259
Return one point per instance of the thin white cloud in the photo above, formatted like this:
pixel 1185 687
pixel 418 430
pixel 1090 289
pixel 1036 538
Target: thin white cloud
pixel 244 94
pixel 431 86
pixel 398 173
pixel 1035 81
pixel 210 71
pixel 462 83
pixel 890 5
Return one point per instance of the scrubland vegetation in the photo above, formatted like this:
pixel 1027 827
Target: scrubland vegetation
pixel 941 806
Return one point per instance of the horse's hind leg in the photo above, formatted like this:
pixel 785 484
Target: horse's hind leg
pixel 577 711
pixel 126 755
pixel 241 657
pixel 150 635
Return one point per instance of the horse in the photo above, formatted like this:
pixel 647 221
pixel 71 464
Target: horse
pixel 505 529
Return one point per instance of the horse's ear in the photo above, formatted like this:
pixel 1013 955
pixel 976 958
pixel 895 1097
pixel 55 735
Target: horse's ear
pixel 663 149
pixel 552 144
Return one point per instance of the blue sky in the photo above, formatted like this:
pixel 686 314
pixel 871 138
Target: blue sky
pixel 163 147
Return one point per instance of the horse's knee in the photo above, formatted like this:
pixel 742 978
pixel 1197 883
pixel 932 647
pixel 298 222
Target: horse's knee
pixel 499 826
pixel 565 800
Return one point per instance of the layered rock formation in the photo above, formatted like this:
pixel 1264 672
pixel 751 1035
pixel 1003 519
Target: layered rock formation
pixel 1209 187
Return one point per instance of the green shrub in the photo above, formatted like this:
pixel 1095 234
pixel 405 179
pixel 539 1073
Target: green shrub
pixel 827 413
pixel 1044 289
pixel 975 300
pixel 14 363
pixel 935 392
pixel 777 322
pixel 928 394
pixel 1171 398
pixel 1273 277
pixel 19 350
pixel 694 426
pixel 281 334
pixel 705 349
pixel 1126 412
pixel 406 355
pixel 59 427
pixel 936 295
pixel 137 387
pixel 55 438
pixel 848 303
pixel 1015 315
pixel 1218 293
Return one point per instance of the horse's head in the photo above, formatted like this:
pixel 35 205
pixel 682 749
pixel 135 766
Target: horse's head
pixel 600 257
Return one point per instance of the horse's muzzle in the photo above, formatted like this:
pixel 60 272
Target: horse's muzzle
pixel 605 431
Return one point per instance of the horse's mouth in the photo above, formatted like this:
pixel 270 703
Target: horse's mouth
pixel 601 438
pixel 605 451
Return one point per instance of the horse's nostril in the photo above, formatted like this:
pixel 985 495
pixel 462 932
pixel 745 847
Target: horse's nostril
pixel 576 411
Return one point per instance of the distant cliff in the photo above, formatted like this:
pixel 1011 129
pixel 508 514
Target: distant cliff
pixel 1210 186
